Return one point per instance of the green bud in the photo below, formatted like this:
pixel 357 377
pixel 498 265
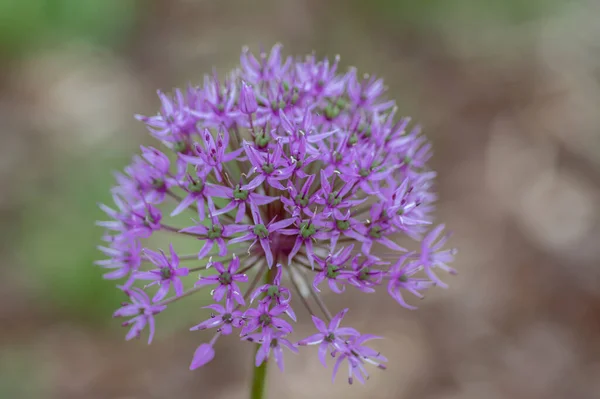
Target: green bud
pixel 375 231
pixel 268 168
pixel 332 271
pixel 264 319
pixel 261 230
pixel 273 291
pixel 165 273
pixel 225 278
pixel 307 229
pixel 353 139
pixel 403 278
pixel 215 231
pixel 239 194
pixel 364 274
pixel 301 200
pixel 334 198
pixel 262 140
pixel 158 183
pixel 331 111
pixel 180 146
pixel 342 224
pixel 196 186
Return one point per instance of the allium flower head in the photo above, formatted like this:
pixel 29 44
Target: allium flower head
pixel 283 175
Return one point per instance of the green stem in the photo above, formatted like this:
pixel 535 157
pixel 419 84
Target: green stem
pixel 259 376
pixel 259 379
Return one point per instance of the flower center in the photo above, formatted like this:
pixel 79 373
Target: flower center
pixel 264 319
pixel 225 278
pixel 227 318
pixel 301 200
pixel 157 184
pixel 273 291
pixel 261 231
pixel 165 273
pixel 330 337
pixel 180 146
pixel 239 194
pixel 215 231
pixel 342 224
pixel 403 278
pixel 364 274
pixel 334 199
pixel 375 231
pixel 262 140
pixel 195 186
pixel 333 271
pixel 353 139
pixel 307 229
pixel 268 168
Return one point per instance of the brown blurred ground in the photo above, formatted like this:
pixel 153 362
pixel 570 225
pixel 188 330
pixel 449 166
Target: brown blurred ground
pixel 512 109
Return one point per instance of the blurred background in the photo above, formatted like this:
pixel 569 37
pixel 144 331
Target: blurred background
pixel 508 91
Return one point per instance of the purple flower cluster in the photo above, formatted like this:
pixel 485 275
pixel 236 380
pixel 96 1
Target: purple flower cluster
pixel 295 178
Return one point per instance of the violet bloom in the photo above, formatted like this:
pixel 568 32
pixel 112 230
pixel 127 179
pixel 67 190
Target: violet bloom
pixel 275 293
pixel 271 342
pixel 270 167
pixel 248 104
pixel 365 274
pixel 225 317
pixel 147 177
pixel 329 338
pixel 212 157
pixel 125 259
pixel 306 231
pixel 240 199
pixel 331 199
pixel 168 273
pixel 268 320
pixel 356 354
pixel 133 220
pixel 203 354
pixel 173 122
pixel 431 255
pixel 227 280
pixel 261 233
pixel 400 277
pixel 216 233
pixel 199 192
pixel 311 162
pixel 339 224
pixel 299 201
pixel 142 312
pixel 332 269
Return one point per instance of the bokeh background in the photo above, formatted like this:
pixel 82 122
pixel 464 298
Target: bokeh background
pixel 509 92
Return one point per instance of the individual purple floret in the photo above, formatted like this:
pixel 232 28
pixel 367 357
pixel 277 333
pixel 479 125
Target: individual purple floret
pixel 227 280
pixel 271 342
pixel 224 317
pixel 330 337
pixel 400 277
pixel 141 311
pixel 356 355
pixel 266 318
pixel 166 275
pixel 279 176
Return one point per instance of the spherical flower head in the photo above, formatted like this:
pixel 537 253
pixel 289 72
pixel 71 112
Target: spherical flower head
pixel 281 175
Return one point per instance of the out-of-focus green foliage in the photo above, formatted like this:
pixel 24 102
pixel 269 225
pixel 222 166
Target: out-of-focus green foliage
pixel 27 24
pixel 59 238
